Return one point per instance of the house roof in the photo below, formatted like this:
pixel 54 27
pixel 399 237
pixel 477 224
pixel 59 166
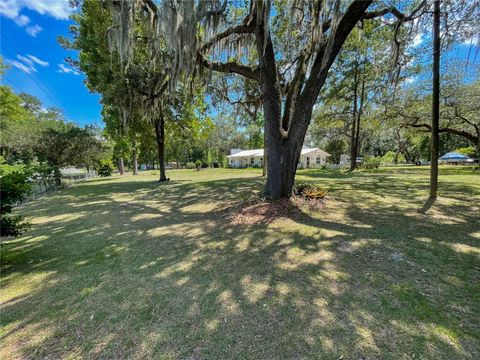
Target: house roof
pixel 306 151
pixel 259 153
pixel 247 153
pixel 454 156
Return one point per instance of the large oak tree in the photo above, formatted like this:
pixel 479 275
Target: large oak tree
pixel 294 44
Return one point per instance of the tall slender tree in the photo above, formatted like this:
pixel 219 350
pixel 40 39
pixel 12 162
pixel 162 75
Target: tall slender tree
pixel 435 100
pixel 138 93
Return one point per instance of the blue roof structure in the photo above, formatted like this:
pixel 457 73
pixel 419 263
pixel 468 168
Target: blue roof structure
pixel 454 156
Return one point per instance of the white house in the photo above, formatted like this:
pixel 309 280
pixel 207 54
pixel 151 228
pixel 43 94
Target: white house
pixel 309 158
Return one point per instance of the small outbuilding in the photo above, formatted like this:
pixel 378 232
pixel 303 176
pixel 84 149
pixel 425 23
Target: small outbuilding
pixel 455 158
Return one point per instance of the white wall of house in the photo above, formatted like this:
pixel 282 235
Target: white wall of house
pixel 314 159
pixel 241 162
pixel 310 158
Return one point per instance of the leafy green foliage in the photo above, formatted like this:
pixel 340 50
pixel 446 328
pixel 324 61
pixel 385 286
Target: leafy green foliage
pixel 335 147
pixel 14 187
pixel 70 145
pixel 469 151
pixel 105 168
pixel 391 157
pixel 371 162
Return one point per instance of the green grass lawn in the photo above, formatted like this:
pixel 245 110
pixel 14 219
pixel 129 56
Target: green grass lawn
pixel 131 268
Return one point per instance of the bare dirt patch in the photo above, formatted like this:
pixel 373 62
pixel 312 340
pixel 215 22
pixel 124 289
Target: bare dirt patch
pixel 262 211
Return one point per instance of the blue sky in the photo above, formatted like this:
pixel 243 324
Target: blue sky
pixel 29 29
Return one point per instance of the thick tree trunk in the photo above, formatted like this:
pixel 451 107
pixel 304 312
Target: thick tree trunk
pixel 134 158
pixel 283 153
pixel 435 100
pixel 281 169
pixel 121 166
pixel 285 134
pixel 160 135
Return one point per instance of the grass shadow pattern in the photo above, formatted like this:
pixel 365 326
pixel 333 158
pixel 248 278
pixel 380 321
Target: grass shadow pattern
pixel 132 268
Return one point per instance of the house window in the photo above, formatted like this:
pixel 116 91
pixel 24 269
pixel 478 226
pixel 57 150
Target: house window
pixel 252 160
pixel 318 160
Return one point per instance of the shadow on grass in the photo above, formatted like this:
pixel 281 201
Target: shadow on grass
pixel 146 269
pixel 428 204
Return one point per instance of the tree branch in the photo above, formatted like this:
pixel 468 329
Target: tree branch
pixel 329 49
pixel 230 67
pixel 395 12
pixel 461 133
pixel 247 27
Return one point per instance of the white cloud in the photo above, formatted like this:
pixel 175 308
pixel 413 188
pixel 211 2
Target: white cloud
pixel 38 61
pixel 33 30
pixel 24 67
pixel 22 20
pixel 26 60
pixel 417 40
pixel 58 9
pixel 63 69
pixel 27 63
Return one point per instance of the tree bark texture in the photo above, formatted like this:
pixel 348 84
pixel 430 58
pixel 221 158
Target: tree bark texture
pixel 160 136
pixel 121 166
pixel 134 157
pixel 435 101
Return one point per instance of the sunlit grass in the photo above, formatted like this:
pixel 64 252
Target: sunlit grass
pixel 126 267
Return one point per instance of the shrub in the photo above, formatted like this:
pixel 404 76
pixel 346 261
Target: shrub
pixel 469 151
pixel 6 169
pixel 14 187
pixel 204 164
pixel 310 191
pixel 371 162
pixel 105 168
pixel 198 164
pixel 190 165
pixel 215 165
pixel 389 158
pixel 42 171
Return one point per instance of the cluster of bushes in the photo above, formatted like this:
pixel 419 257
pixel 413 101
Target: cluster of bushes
pixel 469 151
pixel 105 168
pixel 14 187
pixel 371 162
pixel 391 157
pixel 310 191
pixel 200 164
